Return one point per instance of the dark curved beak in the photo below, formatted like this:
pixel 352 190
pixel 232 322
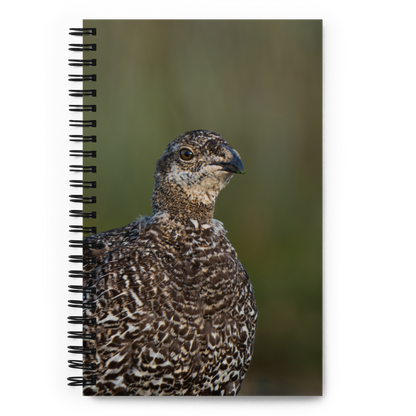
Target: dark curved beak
pixel 235 165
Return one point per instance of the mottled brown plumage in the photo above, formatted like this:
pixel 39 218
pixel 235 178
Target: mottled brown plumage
pixel 175 309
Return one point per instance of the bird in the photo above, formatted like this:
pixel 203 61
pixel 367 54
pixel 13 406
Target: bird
pixel 174 308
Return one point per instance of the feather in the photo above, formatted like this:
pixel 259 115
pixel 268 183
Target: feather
pixel 175 310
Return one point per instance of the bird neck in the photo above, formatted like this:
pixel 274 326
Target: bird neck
pixel 169 198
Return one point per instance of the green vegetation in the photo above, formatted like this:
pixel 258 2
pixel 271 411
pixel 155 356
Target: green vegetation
pixel 259 85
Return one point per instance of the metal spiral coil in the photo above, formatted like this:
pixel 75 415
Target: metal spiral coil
pixel 82 62
pixel 83 108
pixel 87 334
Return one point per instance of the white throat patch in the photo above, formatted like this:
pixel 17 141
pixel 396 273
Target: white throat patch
pixel 202 186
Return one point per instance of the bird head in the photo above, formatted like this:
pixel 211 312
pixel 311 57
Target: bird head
pixel 191 172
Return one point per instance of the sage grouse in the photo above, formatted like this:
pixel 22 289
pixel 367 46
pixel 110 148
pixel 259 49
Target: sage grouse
pixel 175 310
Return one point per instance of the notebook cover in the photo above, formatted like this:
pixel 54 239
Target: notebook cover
pixel 258 86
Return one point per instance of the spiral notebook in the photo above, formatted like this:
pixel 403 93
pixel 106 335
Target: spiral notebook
pixel 197 210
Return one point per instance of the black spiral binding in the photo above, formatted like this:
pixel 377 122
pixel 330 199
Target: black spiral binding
pixel 87 324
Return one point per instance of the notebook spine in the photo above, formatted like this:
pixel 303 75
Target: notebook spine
pixel 87 323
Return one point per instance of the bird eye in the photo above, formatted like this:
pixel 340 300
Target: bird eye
pixel 186 154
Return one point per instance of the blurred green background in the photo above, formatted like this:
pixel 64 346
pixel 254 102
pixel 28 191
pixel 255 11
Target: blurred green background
pixel 259 85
